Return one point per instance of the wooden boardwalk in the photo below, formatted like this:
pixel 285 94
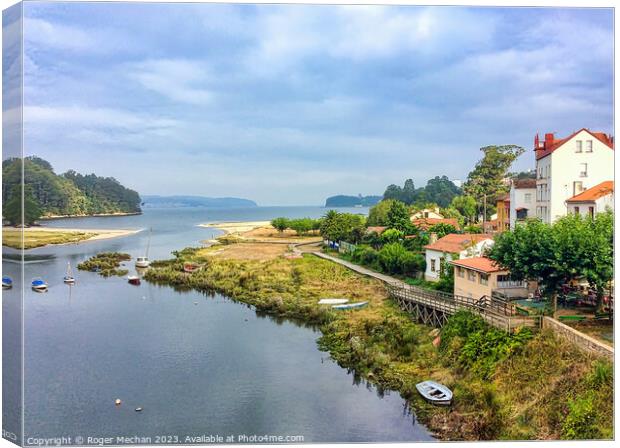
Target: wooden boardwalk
pixel 434 307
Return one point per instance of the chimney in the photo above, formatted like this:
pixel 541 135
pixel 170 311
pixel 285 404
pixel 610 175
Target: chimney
pixel 548 140
pixel 536 141
pixel 433 238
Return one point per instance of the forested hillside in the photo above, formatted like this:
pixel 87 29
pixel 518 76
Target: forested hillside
pixel 69 193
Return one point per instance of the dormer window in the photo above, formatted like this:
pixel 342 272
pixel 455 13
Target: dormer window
pixel 579 146
pixel 588 145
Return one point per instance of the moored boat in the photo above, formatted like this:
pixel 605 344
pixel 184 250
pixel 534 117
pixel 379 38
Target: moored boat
pixel 350 306
pixel 435 393
pixel 143 262
pixel 7 282
pixel 39 285
pixel 133 279
pixel 69 278
pixel 191 267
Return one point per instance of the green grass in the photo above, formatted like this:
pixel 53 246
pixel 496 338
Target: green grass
pixel 505 387
pixel 106 264
pixel 38 238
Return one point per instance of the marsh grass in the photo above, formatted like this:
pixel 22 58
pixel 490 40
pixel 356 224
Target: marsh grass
pixel 13 238
pixel 505 387
pixel 106 264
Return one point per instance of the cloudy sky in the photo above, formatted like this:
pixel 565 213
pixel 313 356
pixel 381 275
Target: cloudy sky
pixel 289 104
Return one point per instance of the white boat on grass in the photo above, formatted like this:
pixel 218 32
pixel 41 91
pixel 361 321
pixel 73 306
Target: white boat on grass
pixel 435 393
pixel 332 301
pixel 350 306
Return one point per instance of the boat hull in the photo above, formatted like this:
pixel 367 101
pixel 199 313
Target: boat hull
pixel 435 393
pixel 350 306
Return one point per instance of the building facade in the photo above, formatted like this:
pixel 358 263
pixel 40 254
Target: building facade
pixel 453 246
pixel 569 166
pixel 522 200
pixel 480 276
pixel 592 201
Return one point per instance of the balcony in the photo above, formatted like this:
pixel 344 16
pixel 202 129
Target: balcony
pixel 511 284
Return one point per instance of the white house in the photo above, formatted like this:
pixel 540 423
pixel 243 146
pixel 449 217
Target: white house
pixel 569 166
pixel 592 201
pixel 432 213
pixel 453 246
pixel 522 200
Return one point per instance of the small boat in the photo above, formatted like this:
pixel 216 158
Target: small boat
pixel 7 282
pixel 191 267
pixel 118 402
pixel 333 301
pixel 350 306
pixel 138 409
pixel 133 279
pixel 39 285
pixel 69 278
pixel 143 262
pixel 435 393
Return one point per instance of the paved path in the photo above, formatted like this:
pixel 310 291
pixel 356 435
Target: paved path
pixel 361 270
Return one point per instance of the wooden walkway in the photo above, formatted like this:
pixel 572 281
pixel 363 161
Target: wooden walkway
pixel 434 307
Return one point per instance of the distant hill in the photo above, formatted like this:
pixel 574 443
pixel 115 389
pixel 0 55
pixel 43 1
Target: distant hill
pixel 69 194
pixel 152 201
pixel 352 201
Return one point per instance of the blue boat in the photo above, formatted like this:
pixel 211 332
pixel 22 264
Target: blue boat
pixel 39 285
pixel 350 306
pixel 435 393
pixel 7 282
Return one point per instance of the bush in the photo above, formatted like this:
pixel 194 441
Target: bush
pixel 365 255
pixel 580 423
pixel 395 259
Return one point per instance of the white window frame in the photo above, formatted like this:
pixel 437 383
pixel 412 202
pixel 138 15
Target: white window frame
pixel 583 170
pixel 579 146
pixel 589 146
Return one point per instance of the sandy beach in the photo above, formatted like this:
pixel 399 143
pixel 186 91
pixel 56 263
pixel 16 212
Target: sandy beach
pixel 237 227
pixel 45 236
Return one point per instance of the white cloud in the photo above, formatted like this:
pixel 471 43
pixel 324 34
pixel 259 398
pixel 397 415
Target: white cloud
pixel 177 79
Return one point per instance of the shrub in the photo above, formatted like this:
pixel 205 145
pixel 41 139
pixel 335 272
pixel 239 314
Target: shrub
pixel 392 236
pixel 580 423
pixel 365 255
pixel 395 259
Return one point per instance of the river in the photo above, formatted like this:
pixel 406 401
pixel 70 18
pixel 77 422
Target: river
pixel 196 364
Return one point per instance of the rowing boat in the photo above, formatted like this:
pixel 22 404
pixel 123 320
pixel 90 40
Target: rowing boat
pixel 350 306
pixel 435 393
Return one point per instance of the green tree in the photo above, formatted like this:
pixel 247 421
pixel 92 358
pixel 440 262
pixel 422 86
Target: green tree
pixel 377 216
pixel 451 212
pixel 398 217
pixel 13 208
pixel 343 227
pixel 442 229
pixel 441 191
pixel 392 236
pixel 466 206
pixel 393 192
pixel 408 195
pixel 571 248
pixel 280 224
pixel 486 180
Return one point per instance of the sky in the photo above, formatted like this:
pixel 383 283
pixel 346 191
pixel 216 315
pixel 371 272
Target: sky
pixel 290 104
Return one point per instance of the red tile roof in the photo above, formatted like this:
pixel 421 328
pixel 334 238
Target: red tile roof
pixel 425 223
pixel 524 183
pixel 480 264
pixel 454 242
pixel 592 194
pixel 377 229
pixel 551 143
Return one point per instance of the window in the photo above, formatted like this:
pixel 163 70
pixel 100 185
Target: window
pixel 577 187
pixel 591 212
pixel 433 267
pixel 576 210
pixel 471 276
pixel 460 271
pixel 484 279
pixel 425 214
pixel 528 198
pixel 583 171
pixel 579 146
pixel 588 145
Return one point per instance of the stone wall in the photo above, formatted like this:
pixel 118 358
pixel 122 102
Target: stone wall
pixel 581 340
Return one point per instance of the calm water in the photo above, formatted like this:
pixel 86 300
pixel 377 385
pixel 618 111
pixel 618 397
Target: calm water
pixel 196 364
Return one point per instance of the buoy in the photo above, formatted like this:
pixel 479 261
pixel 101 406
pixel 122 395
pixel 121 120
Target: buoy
pixel 138 409
pixel 195 303
pixel 117 402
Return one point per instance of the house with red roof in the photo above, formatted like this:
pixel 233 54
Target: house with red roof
pixel 480 276
pixel 453 246
pixel 566 167
pixel 593 200
pixel 522 201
